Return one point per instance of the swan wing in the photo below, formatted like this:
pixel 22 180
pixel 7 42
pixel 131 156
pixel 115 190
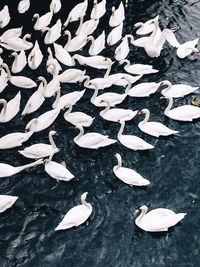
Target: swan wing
pixel 179 90
pixel 14 139
pixel 62 55
pixel 22 81
pixel 184 113
pixel 115 35
pixel 58 171
pixel 144 89
pixel 134 142
pixel 37 151
pixel 6 202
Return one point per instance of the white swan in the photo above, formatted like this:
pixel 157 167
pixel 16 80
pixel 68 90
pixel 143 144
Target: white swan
pixel 14 139
pixel 157 220
pixel 42 21
pixel 19 81
pixel 23 6
pixel 92 140
pixel 88 27
pixel 117 15
pixel 19 62
pixel 78 117
pixel 4 17
pixel 182 113
pixel 77 215
pixel 10 109
pixel 40 150
pixel 7 170
pixel 98 10
pixel 122 51
pixel 53 33
pixel 11 33
pixel 6 202
pixel 177 90
pixel 76 43
pixel 35 57
pixel 50 67
pixel 98 62
pixel 145 28
pixel 71 76
pixel 131 141
pixel 137 69
pixel 17 44
pixel 55 6
pixel 97 45
pixel 115 35
pixel 187 48
pixel 54 84
pixel 154 128
pixel 57 170
pixel 63 56
pixel 127 175
pixel 3 80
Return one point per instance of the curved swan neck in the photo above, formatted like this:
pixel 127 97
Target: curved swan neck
pixel 83 200
pixel 28 126
pixel 66 22
pixel 131 37
pixel 81 132
pixel 125 61
pixel 21 168
pixel 87 79
pixel 152 36
pixel 51 133
pixel 4 102
pixel 128 86
pixel 57 97
pixel 106 108
pixel 25 37
pixel 108 69
pixel 119 161
pixel 168 83
pixel 169 105
pixel 80 25
pixel 96 90
pixel 68 33
pixel 69 109
pixel 5 66
pixel 121 129
pixel 147 115
pixel 140 217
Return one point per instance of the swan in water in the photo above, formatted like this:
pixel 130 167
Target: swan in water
pixel 122 51
pixel 19 62
pixel 35 57
pixel 11 33
pixel 137 69
pixel 88 27
pixel 54 84
pixel 40 150
pixel 115 35
pixel 6 202
pixel 78 118
pixel 177 90
pixel 76 43
pixel 117 15
pixel 195 101
pixel 53 33
pixel 14 139
pixel 115 114
pixel 3 80
pixel 50 67
pixel 23 6
pixel 182 113
pixel 71 76
pixel 57 170
pixel 97 45
pixel 4 17
pixel 17 44
pixel 55 6
pixel 77 215
pixel 92 140
pixel 99 9
pixel 98 62
pixel 63 56
pixel 131 141
pixel 42 21
pixel 10 109
pixel 19 81
pixel 157 220
pixel 154 128
pixel 187 48
pixel 145 28
pixel 127 175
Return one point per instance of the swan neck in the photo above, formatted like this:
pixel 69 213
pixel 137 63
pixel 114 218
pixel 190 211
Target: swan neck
pixel 106 108
pixel 4 102
pixel 108 70
pixel 86 78
pixel 119 162
pixel 52 141
pixel 147 115
pixel 5 66
pixel 21 168
pixel 80 26
pixel 140 217
pixel 96 90
pixel 68 33
pixel 131 37
pixel 69 109
pixel 57 98
pixel 80 134
pixel 67 21
pixel 169 105
pixel 128 86
pixel 121 129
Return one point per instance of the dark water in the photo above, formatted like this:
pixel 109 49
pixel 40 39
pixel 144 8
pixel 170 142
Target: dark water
pixel 27 236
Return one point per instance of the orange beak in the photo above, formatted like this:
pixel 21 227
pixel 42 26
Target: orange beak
pixel 26 130
pixel 138 210
pixel 162 97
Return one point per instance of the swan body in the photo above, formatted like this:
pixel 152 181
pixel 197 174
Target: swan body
pixel 154 128
pixel 11 33
pixel 19 62
pixel 157 220
pixel 97 45
pixel 127 175
pixel 55 67
pixel 14 139
pixel 122 79
pixel 98 62
pixel 99 9
pixel 42 21
pixel 88 27
pixel 71 76
pixel 10 108
pixel 144 89
pixel 35 57
pixel 145 28
pixel 3 80
pixel 187 48
pixel 122 51
pixel 137 69
pixel 40 150
pixel 115 35
pixel 63 56
pixel 53 33
pixel 76 43
pixel 77 215
pixel 4 17
pixel 53 85
pixel 182 113
pixel 131 141
pixel 55 6
pixel 92 140
pixel 17 44
pixel 117 15
pixel 177 90
pixel 6 202
pixel 23 6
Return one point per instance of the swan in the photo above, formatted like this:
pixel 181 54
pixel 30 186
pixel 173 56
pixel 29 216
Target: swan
pixel 23 6
pixel 35 57
pixel 157 220
pixel 76 12
pixel 127 175
pixel 154 128
pixel 17 44
pixel 11 33
pixel 63 56
pixel 117 15
pixel 7 170
pixel 4 17
pixel 98 62
pixel 19 62
pixel 76 43
pixel 14 139
pixel 92 140
pixel 97 45
pixel 10 109
pixel 53 33
pixel 137 69
pixel 182 113
pixel 42 21
pixel 187 48
pixel 122 51
pixel 43 121
pixel 40 150
pixel 3 80
pixel 54 84
pixel 55 6
pixel 77 215
pixel 122 79
pixel 115 114
pixel 115 35
pixel 57 170
pixel 145 28
pixel 19 81
pixel 88 27
pixel 177 90
pixel 99 9
pixel 50 67
pixel 131 141
pixel 78 117
pixel 71 76
pixel 36 99
pixel 6 202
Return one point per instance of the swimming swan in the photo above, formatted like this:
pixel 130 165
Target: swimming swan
pixel 6 202
pixel 10 109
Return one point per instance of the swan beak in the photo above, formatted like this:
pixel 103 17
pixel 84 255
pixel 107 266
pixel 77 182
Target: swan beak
pixel 140 112
pixel 100 102
pixel 162 97
pixel 118 121
pixel 137 211
pixel 134 27
pixel 33 19
pixel 26 130
pixel 21 118
pixel 63 27
pixel 152 22
pixel 198 53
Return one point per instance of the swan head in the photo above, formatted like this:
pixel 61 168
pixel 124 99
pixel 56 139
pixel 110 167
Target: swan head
pixel 36 15
pixel 66 33
pixel 143 208
pixel 28 126
pixel 1 50
pixel 166 82
pixel 53 133
pixel 83 196
pixel 118 156
pixel 143 111
pixel 138 24
pixel 113 11
pixel 13 54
